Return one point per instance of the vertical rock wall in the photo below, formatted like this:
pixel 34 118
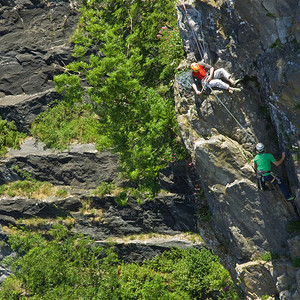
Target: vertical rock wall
pixel 257 41
pixel 34 46
pixel 34 43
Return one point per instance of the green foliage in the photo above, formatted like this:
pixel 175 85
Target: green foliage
pixel 11 289
pixel 271 15
pixel 103 189
pixel 142 282
pixel 65 267
pixel 296 44
pixel 3 188
pixel 170 50
pixel 122 198
pixel 277 44
pixel 61 193
pixel 119 62
pixel 197 273
pixel 296 262
pixel 203 210
pixel 65 123
pixel 26 188
pixel 9 136
pixel 70 266
pixel 269 256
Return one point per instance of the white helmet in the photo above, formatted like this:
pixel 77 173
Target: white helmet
pixel 260 147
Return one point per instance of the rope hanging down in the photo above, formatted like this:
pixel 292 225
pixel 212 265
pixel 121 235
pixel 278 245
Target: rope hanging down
pixel 241 126
pixel 201 47
pixel 202 52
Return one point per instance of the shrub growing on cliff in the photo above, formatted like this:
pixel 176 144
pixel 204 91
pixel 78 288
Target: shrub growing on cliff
pixel 63 124
pixel 28 187
pixel 118 63
pixel 9 136
pixel 72 267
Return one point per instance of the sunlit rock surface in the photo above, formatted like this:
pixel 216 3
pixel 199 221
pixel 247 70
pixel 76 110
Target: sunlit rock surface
pixel 258 42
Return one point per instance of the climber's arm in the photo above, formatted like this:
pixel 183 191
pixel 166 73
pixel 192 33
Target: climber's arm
pixel 279 162
pixel 211 74
pixel 194 85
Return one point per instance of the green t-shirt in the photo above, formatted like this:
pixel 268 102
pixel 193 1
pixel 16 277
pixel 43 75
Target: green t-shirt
pixel 263 162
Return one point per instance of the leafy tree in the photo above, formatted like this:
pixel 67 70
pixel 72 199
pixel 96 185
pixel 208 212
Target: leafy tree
pixel 118 63
pixel 198 273
pixel 67 266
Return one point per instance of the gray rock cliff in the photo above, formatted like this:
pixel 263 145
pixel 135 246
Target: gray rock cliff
pixel 258 42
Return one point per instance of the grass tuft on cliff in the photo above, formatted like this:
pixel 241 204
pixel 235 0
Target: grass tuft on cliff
pixel 63 124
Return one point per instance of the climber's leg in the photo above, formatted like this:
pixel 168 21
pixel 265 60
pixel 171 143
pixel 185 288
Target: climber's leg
pixel 222 73
pixel 218 84
pixel 276 180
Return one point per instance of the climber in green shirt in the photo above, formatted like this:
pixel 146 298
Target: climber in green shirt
pixel 262 164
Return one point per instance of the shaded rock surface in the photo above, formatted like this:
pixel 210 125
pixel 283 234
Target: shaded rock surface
pixel 23 109
pixel 81 169
pixel 35 46
pixel 34 43
pixel 168 214
pixel 80 166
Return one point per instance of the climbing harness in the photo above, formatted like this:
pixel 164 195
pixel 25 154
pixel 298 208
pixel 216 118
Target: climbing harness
pixel 202 50
pixel 259 175
pixel 261 179
pixel 204 83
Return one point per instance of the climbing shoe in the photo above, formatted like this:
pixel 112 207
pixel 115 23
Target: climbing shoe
pixel 236 82
pixel 290 199
pixel 237 90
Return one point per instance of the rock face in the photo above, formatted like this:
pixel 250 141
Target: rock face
pixel 257 41
pixel 81 166
pixel 34 43
pixel 34 39
pixel 169 215
pixel 23 109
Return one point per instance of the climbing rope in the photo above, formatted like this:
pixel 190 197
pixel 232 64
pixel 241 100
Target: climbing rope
pixel 241 126
pixel 201 47
pixel 184 80
pixel 204 84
